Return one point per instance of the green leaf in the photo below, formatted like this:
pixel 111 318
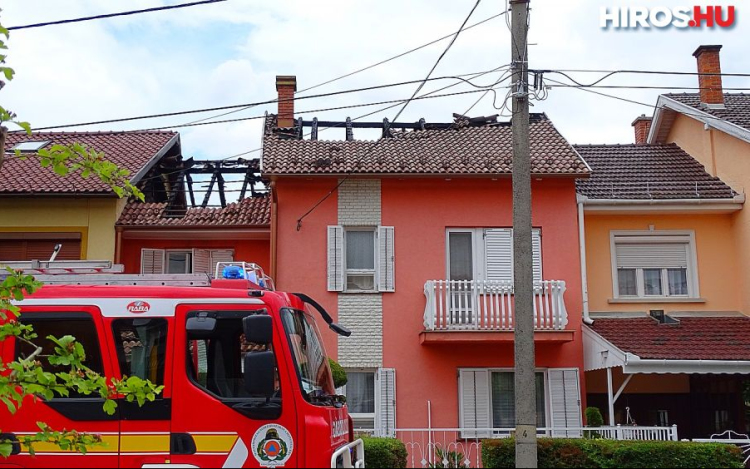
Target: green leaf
pixel 25 126
pixel 5 32
pixel 8 403
pixel 110 406
pixel 5 449
pixel 8 72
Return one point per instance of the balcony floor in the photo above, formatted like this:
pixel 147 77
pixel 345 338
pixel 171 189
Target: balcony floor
pixel 491 337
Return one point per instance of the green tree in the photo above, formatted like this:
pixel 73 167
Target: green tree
pixel 26 376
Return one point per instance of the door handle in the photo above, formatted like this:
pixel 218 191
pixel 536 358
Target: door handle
pixel 182 444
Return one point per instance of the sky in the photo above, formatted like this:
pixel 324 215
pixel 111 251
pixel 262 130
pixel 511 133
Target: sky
pixel 229 53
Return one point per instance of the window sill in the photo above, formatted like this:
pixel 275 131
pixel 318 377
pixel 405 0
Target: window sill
pixel 360 292
pixel 661 299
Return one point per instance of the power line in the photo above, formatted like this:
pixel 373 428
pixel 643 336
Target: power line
pixel 234 106
pixel 646 72
pixel 385 132
pixel 112 15
pixel 349 74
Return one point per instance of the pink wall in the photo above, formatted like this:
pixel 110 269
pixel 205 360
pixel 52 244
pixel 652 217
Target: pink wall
pixel 421 210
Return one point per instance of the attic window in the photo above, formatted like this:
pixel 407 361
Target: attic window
pixel 28 147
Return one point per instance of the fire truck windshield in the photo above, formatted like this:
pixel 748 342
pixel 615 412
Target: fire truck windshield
pixel 309 356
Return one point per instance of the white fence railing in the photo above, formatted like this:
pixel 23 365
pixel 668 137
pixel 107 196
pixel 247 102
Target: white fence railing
pixel 450 447
pixel 489 305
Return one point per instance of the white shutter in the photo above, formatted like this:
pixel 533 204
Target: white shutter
pixel 386 260
pixel 152 261
pixel 220 255
pixel 474 403
pixel 565 405
pixel 657 255
pixel 202 261
pixel 385 408
pixel 498 257
pixel 536 249
pixel 335 258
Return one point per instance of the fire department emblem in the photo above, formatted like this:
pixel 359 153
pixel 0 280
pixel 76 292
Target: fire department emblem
pixel 272 445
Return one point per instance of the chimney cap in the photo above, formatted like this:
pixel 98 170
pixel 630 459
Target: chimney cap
pixel 706 48
pixel 642 117
pixel 286 80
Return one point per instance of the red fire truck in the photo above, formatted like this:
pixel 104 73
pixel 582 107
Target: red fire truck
pixel 245 374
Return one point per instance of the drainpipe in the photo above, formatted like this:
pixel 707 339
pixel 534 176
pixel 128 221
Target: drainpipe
pixel 274 230
pixel 582 249
pixel 118 245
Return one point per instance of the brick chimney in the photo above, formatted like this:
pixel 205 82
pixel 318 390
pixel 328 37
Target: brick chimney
pixel 712 92
pixel 642 126
pixel 286 85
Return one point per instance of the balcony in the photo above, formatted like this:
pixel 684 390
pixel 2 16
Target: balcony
pixel 464 311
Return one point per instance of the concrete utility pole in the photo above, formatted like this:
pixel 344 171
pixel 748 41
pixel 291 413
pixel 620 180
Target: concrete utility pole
pixel 523 274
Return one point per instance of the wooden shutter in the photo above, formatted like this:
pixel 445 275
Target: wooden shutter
pixel 152 261
pixel 475 403
pixel 335 258
pixel 647 256
pixel 498 254
pixel 385 408
pixel 536 250
pixel 202 261
pixel 386 259
pixel 26 248
pixel 565 404
pixel 220 255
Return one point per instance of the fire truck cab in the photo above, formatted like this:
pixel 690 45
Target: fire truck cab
pixel 245 374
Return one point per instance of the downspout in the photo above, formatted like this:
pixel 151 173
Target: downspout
pixel 582 249
pixel 274 230
pixel 118 244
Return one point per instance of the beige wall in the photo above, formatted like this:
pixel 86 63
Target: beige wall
pixel 93 218
pixel 717 264
pixel 728 158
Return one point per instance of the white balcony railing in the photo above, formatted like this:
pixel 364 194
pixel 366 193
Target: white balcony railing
pixel 485 305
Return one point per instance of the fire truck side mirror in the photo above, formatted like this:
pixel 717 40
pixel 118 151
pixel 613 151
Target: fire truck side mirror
pixel 260 368
pixel 258 329
pixel 200 327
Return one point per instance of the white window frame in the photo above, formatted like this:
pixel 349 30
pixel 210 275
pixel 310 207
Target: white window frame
pixel 375 271
pixel 362 416
pixel 547 395
pixel 478 250
pixel 686 237
pixel 189 265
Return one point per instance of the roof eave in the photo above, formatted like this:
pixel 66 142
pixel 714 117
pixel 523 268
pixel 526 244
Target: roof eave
pixel 424 175
pixel 662 205
pixel 141 173
pixel 665 102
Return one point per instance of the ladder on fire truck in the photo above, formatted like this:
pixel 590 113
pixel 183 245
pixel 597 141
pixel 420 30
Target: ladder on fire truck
pixel 107 273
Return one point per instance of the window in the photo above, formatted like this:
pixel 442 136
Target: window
pixel 79 325
pixel 360 398
pixel 487 254
pixel 360 259
pixel 141 347
pixel 179 262
pixel 654 264
pixel 504 404
pixel 662 418
pixel 183 261
pixel 30 147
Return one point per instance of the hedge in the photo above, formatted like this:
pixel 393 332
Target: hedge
pixel 562 453
pixel 384 452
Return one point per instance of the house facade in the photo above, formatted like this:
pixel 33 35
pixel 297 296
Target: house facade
pixel 39 209
pixel 409 245
pixel 664 303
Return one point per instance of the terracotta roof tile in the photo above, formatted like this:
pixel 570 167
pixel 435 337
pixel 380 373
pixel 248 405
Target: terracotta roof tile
pixel 483 150
pixel 736 111
pixel 129 150
pixel 647 172
pixel 705 338
pixel 252 211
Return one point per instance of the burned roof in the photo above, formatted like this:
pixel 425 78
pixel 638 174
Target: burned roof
pixel 465 147
pixel 637 172
pixel 248 212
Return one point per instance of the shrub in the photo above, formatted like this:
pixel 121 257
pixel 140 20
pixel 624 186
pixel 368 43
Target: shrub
pixel 384 452
pixel 339 374
pixel 560 453
pixel 594 417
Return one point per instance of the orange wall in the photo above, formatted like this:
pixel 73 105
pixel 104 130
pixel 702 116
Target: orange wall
pixel 718 266
pixel 421 210
pixel 257 251
pixel 728 158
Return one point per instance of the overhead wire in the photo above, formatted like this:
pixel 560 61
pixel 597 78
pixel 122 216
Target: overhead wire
pixel 112 15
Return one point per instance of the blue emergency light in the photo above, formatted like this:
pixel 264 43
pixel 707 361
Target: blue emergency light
pixel 233 272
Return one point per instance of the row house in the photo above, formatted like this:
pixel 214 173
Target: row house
pixel 408 241
pixel 665 254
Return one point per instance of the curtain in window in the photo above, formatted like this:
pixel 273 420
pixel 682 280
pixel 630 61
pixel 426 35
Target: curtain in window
pixel 503 401
pixel 626 281
pixel 461 262
pixel 360 250
pixel 360 393
pixel 677 281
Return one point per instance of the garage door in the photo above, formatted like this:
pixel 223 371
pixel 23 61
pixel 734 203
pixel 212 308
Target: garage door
pixel 39 246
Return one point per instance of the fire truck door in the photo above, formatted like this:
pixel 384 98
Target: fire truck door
pixel 77 412
pixel 216 405
pixel 141 346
